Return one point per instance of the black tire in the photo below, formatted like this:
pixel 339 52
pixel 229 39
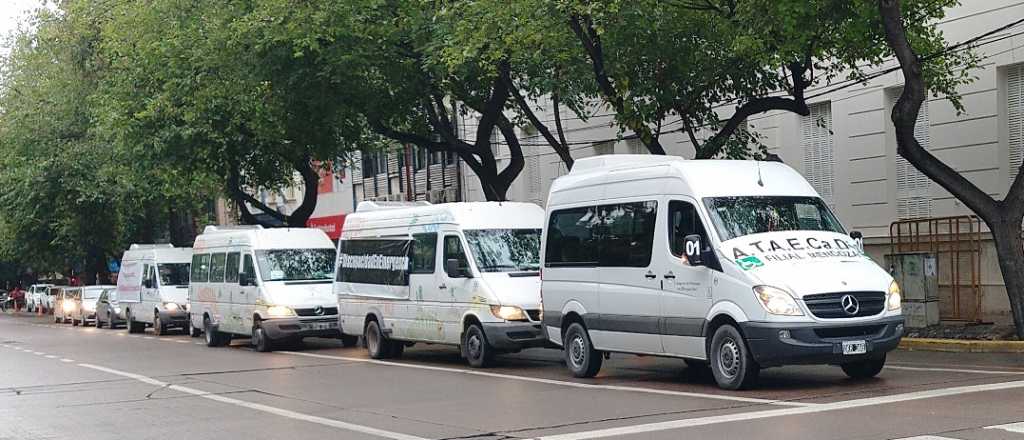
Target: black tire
pixel 475 348
pixel 732 364
pixel 111 321
pixel 193 331
pixel 159 328
pixel 134 327
pixel 74 322
pixel 58 319
pixel 214 338
pixel 349 340
pixel 377 345
pixel 864 369
pixel 98 323
pixel 580 356
pixel 260 341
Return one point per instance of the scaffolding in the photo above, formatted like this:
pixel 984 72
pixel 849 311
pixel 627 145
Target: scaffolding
pixel 956 243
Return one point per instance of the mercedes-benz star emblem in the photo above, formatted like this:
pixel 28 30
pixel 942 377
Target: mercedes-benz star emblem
pixel 319 311
pixel 850 304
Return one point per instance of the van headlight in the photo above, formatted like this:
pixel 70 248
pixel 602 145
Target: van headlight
pixel 171 307
pixel 777 301
pixel 895 299
pixel 280 311
pixel 509 313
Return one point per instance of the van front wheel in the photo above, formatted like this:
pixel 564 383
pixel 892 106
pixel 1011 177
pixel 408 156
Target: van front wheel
pixel 864 369
pixel 580 356
pixel 260 341
pixel 732 364
pixel 476 350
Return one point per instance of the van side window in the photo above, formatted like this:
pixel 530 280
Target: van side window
pixel 683 220
pixel 571 238
pixel 628 234
pixel 248 268
pixel 231 267
pixel 217 268
pixel 424 253
pixel 200 268
pixel 453 250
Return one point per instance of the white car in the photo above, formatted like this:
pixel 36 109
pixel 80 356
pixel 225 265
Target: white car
pixel 462 274
pixel 738 265
pixel 36 297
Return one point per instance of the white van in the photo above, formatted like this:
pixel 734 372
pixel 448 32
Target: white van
pixel 152 287
pixel 736 264
pixel 267 284
pixel 461 274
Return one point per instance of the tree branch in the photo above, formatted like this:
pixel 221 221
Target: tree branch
pixel 241 198
pixel 311 181
pixel 560 147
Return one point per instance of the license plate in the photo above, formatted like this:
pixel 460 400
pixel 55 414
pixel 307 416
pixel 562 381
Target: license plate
pixel 320 325
pixel 854 347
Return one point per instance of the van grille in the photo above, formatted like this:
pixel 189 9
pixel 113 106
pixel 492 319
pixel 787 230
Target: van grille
pixel 327 311
pixel 829 305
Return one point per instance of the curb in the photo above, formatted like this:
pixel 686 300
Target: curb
pixel 961 345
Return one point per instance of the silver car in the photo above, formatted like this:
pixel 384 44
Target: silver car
pixel 108 312
pixel 86 303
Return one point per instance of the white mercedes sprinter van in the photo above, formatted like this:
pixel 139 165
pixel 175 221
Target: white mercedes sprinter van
pixel 152 287
pixel 738 265
pixel 268 284
pixel 462 274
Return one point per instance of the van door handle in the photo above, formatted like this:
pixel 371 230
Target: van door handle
pixel 670 276
pixel 650 275
pixel 442 286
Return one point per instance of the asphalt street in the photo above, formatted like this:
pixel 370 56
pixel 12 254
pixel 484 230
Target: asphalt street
pixel 60 382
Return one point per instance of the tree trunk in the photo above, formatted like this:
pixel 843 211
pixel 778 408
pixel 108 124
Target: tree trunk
pixel 311 181
pixel 181 227
pixel 1010 251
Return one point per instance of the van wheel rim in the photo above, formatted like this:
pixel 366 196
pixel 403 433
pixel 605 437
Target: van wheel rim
pixel 577 351
pixel 371 341
pixel 729 358
pixel 474 347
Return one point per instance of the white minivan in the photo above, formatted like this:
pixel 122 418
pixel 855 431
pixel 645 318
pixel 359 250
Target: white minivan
pixel 738 265
pixel 464 274
pixel 152 287
pixel 272 285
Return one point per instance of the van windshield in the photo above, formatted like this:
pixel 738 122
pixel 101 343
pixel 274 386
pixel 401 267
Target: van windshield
pixel 296 264
pixel 505 250
pixel 174 274
pixel 738 216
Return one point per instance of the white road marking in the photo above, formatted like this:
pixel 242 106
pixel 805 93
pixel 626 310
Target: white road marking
pixel 181 341
pixel 955 370
pixel 198 343
pixel 558 382
pixel 38 353
pixel 1011 427
pixel 120 334
pixel 926 437
pixel 66 360
pixel 260 407
pixel 755 415
pixel 50 356
pixel 148 337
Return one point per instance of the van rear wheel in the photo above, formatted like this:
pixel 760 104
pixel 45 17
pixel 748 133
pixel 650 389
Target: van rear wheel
pixel 214 338
pixel 475 348
pixel 732 363
pixel 864 369
pixel 377 345
pixel 580 356
pixel 134 327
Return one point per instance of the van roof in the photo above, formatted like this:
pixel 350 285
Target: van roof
pixel 699 178
pixel 467 215
pixel 161 253
pixel 260 238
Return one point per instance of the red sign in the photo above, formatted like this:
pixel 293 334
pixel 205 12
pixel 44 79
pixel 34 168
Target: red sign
pixel 331 225
pixel 326 178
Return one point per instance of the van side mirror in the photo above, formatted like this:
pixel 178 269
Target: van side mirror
pixel 147 283
pixel 858 239
pixel 692 248
pixel 451 267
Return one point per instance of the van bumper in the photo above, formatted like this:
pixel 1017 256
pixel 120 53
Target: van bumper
pixel 816 343
pixel 177 318
pixel 286 328
pixel 513 336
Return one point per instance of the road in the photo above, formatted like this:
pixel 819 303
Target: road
pixel 63 382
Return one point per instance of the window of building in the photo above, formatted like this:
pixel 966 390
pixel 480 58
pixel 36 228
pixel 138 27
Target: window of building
pixel 1015 117
pixel 424 253
pixel 816 131
pixel 450 158
pixel 635 146
pixel 217 263
pixel 603 148
pixel 913 188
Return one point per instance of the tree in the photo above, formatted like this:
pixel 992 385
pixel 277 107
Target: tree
pixel 1003 217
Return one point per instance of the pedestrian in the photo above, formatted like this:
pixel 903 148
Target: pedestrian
pixel 18 296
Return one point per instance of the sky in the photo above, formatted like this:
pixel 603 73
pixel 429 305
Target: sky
pixel 11 13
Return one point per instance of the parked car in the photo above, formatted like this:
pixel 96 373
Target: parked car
pixel 152 287
pixel 268 284
pixel 108 311
pixel 738 265
pixel 65 304
pixel 461 274
pixel 86 303
pixel 36 297
pixel 52 293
